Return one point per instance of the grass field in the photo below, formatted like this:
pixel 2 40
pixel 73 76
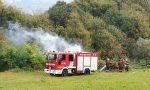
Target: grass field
pixel 22 80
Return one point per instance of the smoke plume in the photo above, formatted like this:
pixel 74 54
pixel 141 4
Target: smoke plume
pixel 18 35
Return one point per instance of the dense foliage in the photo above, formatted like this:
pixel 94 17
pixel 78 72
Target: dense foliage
pixel 27 57
pixel 112 27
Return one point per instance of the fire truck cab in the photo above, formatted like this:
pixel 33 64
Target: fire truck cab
pixel 65 63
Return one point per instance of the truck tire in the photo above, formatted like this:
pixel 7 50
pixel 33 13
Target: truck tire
pixel 87 71
pixel 65 72
pixel 51 74
pixel 73 71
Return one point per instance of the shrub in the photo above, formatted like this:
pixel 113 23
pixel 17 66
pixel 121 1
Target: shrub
pixel 28 57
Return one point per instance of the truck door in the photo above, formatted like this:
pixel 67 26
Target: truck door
pixel 62 58
pixel 80 63
pixel 71 60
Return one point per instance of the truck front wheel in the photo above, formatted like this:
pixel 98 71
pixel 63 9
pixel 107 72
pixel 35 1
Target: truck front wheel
pixel 64 72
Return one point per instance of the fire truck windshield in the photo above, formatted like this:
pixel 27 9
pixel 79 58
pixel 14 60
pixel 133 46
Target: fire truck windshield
pixel 51 57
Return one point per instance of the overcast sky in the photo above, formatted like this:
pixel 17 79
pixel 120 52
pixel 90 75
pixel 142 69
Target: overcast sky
pixel 33 6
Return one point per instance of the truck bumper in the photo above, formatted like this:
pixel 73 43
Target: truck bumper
pixel 53 71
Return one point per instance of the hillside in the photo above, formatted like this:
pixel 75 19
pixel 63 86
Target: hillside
pixel 114 28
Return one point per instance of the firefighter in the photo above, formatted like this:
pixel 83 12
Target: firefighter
pixel 121 64
pixel 126 66
pixel 108 64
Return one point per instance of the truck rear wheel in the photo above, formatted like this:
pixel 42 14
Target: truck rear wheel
pixel 87 71
pixel 64 72
pixel 51 74
pixel 73 71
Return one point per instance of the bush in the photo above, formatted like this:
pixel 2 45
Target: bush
pixel 28 57
pixel 7 56
pixel 101 63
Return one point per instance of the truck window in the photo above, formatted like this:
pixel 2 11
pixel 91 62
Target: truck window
pixel 71 58
pixel 62 57
pixel 51 57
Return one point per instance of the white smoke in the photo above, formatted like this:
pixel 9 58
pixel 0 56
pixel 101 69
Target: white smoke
pixel 19 35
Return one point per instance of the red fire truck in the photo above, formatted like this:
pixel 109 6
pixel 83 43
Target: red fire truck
pixel 65 63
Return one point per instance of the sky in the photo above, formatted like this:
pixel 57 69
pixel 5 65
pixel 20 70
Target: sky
pixel 33 6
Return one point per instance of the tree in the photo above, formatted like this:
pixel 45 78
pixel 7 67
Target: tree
pixel 2 36
pixel 1 12
pixel 142 48
pixel 77 32
pixel 61 31
pixel 84 5
pixel 59 14
pixel 145 4
pixel 119 4
pixel 29 57
pixel 7 56
pixel 128 25
pixel 105 42
pixel 1 4
pixel 9 14
pixel 95 7
pixel 100 10
pixel 95 24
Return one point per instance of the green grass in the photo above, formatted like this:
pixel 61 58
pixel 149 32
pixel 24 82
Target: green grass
pixel 22 80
